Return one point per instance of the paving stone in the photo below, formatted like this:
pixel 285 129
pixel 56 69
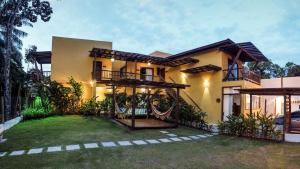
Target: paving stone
pixel 54 149
pixel 2 154
pixel 194 137
pixel 35 151
pixel 124 143
pixel 16 153
pixel 185 138
pixel 91 145
pixel 164 132
pixel 208 135
pixel 202 136
pixel 215 134
pixel 164 140
pixel 72 147
pixel 175 139
pixel 153 141
pixel 108 144
pixel 172 135
pixel 139 142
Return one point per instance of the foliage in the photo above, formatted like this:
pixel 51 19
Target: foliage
pixel 36 110
pixel 59 96
pixel 250 125
pixel 75 94
pixel 268 69
pixel 90 107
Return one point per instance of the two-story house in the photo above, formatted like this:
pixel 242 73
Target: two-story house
pixel 207 76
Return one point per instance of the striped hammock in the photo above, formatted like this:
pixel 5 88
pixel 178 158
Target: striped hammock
pixel 162 115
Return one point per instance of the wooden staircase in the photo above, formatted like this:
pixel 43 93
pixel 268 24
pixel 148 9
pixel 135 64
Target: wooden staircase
pixel 172 93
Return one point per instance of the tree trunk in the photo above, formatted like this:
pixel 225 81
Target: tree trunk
pixel 6 77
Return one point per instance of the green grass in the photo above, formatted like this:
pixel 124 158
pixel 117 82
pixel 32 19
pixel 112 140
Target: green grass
pixel 214 152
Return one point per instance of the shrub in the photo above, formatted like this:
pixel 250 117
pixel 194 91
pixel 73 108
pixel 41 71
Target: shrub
pixel 36 110
pixel 260 126
pixel 90 107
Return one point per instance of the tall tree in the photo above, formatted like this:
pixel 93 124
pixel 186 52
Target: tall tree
pixel 291 69
pixel 264 69
pixel 17 13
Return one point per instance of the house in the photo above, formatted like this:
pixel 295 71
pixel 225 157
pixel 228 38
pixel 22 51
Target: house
pixel 212 72
pixel 208 77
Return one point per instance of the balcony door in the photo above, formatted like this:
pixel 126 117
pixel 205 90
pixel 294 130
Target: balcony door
pixel 97 67
pixel 147 74
pixel 234 74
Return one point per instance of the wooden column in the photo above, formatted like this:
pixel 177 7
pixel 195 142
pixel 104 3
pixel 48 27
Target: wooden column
pixel 113 109
pixel 266 106
pixel 234 61
pixel 177 106
pixel 250 103
pixel 287 113
pixel 148 104
pixel 133 102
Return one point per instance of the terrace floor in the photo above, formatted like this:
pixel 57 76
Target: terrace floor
pixel 211 152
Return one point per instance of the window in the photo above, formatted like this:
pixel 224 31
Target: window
pixel 255 102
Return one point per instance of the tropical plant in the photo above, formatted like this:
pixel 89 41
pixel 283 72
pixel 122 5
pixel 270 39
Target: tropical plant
pixel 36 110
pixel 90 107
pixel 16 13
pixel 75 94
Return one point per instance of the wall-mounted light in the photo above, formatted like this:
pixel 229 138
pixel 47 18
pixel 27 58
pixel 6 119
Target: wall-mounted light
pixel 206 83
pixel 149 63
pixel 143 90
pixel 92 83
pixel 112 59
pixel 149 89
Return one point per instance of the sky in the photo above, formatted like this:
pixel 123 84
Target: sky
pixel 143 26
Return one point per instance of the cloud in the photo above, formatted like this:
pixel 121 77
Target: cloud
pixel 174 26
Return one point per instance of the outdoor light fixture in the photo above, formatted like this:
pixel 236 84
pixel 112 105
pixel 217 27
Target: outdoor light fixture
pixel 206 83
pixel 92 83
pixel 143 90
pixel 112 59
pixel 149 63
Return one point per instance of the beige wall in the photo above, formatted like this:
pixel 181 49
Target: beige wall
pixel 205 97
pixel 70 57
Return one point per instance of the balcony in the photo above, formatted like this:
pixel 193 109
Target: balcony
pixel 241 74
pixel 107 75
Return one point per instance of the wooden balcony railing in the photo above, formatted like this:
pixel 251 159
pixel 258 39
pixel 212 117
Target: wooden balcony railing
pixel 241 74
pixel 118 75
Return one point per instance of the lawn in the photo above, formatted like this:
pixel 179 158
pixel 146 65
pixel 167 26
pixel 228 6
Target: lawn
pixel 213 152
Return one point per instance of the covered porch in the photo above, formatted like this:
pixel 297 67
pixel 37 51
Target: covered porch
pixel 290 133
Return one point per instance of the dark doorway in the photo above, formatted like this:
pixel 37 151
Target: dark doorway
pixel 97 67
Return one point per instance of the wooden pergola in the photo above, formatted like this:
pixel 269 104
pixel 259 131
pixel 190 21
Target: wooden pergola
pixel 285 92
pixel 134 84
pixel 136 57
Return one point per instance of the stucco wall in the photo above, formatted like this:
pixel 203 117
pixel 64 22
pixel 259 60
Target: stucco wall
pixel 205 96
pixel 70 57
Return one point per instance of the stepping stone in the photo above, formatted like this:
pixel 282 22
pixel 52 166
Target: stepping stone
pixel 108 144
pixel 124 143
pixel 164 140
pixel 185 138
pixel 139 142
pixel 153 141
pixel 164 132
pixel 72 147
pixel 172 135
pixel 208 135
pixel 16 153
pixel 215 134
pixel 194 137
pixel 2 154
pixel 91 145
pixel 54 149
pixel 201 136
pixel 175 139
pixel 35 151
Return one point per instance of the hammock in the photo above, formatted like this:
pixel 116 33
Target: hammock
pixel 162 115
pixel 124 112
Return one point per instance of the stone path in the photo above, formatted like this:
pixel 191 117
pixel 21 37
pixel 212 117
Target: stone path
pixel 170 137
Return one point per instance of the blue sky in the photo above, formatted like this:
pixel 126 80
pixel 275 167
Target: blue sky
pixel 171 26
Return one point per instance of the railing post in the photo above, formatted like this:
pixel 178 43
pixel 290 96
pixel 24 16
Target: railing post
pixel 177 106
pixel 113 109
pixel 133 107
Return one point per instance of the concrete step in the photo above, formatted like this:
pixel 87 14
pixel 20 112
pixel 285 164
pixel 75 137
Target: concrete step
pixel 292 137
